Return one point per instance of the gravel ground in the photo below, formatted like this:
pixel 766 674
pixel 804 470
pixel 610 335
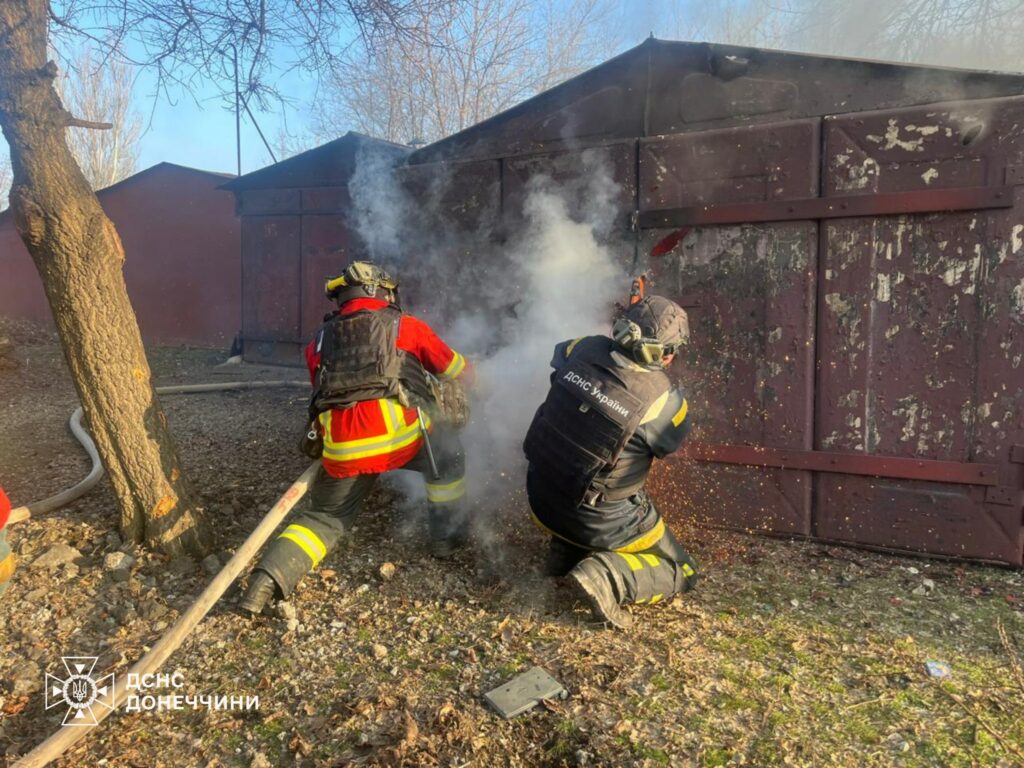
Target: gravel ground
pixel 788 654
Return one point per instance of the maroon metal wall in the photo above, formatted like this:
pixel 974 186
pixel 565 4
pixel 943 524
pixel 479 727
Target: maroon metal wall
pixel 291 239
pixel 750 291
pixel 854 280
pixel 922 330
pixel 182 261
pixel 870 365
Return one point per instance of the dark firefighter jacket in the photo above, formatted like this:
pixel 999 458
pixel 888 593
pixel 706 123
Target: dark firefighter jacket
pixel 614 508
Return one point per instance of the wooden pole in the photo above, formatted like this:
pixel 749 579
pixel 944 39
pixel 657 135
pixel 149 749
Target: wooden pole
pixel 57 744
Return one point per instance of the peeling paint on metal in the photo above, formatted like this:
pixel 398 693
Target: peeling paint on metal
pixel 908 409
pixel 892 139
pixel 837 303
pixel 849 400
pixel 1017 301
pixel 930 175
pixel 858 176
pixel 1015 238
pixel 883 291
pixel 955 272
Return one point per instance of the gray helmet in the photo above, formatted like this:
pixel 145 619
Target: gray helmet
pixel 652 328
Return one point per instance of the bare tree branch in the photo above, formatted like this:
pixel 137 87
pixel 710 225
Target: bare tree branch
pixel 459 64
pixel 97 89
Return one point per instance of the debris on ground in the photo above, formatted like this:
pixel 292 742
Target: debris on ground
pixel 524 692
pixel 788 653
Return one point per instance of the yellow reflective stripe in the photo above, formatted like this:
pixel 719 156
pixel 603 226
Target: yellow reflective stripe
pixel 302 544
pixel 680 414
pixel 308 541
pixel 312 536
pixel 641 601
pixel 447 491
pixel 646 541
pixel 572 345
pixel 633 560
pixel 6 568
pixel 652 561
pixel 398 434
pixel 387 410
pixel 455 367
pixel 655 599
pixel 656 408
pixel 325 419
pixel 687 570
pixel 361 449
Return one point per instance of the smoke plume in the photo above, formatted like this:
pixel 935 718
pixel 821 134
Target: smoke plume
pixel 503 301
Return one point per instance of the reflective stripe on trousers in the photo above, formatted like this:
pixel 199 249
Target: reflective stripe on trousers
pixel 644 577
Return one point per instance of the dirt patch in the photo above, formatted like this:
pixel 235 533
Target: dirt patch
pixel 788 653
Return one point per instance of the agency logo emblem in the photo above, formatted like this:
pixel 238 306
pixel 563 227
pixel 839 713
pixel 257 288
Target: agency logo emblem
pixel 79 692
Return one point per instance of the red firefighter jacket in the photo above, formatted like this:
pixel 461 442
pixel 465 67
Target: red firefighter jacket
pixel 376 436
pixel 6 556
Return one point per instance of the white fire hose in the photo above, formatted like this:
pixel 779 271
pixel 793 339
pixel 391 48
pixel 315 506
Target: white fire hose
pixel 64 738
pixel 65 497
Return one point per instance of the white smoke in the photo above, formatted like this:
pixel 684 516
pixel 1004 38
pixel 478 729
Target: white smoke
pixel 569 282
pixel 556 277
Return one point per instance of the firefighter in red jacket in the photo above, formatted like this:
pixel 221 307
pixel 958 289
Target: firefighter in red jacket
pixel 369 364
pixel 6 556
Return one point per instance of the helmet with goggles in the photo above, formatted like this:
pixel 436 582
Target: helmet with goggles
pixel 651 330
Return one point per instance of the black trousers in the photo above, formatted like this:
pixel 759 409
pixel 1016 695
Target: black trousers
pixel 336 501
pixel 642 558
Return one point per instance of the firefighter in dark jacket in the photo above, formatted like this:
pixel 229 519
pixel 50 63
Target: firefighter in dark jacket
pixel 372 400
pixel 611 411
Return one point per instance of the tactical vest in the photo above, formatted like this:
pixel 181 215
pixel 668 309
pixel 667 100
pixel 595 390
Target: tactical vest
pixel 592 409
pixel 360 360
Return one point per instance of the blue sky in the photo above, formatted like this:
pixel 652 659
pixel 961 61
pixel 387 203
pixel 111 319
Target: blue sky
pixel 202 134
pixel 200 131
pixel 196 130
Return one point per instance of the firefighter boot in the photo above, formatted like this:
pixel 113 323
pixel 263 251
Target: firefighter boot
pixel 445 547
pixel 261 589
pixel 448 526
pixel 592 582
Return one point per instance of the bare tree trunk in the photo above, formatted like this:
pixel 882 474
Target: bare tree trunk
pixel 79 257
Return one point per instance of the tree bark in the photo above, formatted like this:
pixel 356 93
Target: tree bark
pixel 80 258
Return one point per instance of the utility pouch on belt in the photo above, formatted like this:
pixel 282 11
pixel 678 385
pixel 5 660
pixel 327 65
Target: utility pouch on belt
pixel 451 404
pixel 312 442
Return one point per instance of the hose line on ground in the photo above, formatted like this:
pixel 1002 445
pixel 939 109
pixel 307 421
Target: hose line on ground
pixel 58 743
pixel 79 489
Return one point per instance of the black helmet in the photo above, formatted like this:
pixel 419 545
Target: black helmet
pixel 651 329
pixel 361 279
